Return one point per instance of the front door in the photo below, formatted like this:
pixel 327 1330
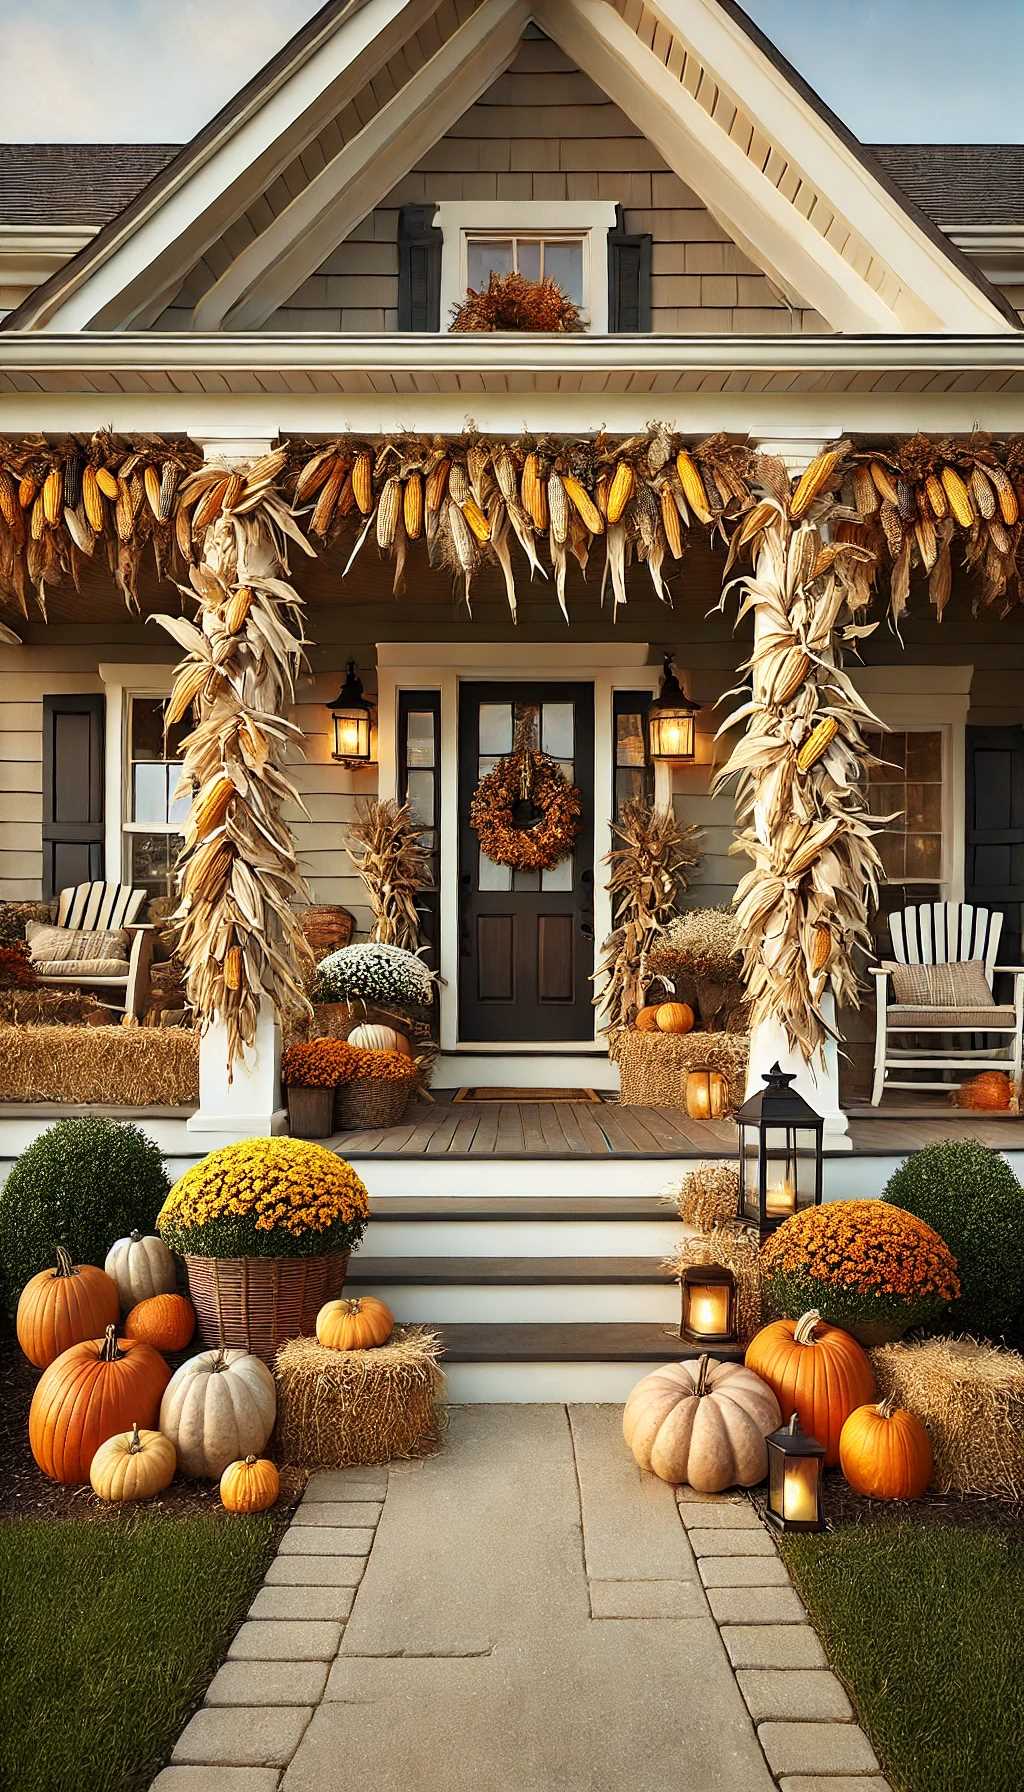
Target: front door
pixel 994 857
pixel 526 938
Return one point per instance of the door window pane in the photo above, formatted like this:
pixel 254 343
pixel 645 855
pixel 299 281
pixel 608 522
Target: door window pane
pixel 419 738
pixel 557 730
pixel 559 877
pixel 420 796
pixel 495 729
pixel 491 876
pixel 629 738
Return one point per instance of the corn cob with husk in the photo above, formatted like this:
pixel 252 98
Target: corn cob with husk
pixel 959 497
pixel 620 491
pixel 412 506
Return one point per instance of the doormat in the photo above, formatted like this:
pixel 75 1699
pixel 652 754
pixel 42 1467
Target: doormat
pixel 492 1094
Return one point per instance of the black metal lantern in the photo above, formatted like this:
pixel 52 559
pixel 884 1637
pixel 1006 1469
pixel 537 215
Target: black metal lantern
pixel 708 1304
pixel 671 729
pixel 351 715
pixel 795 1462
pixel 781 1156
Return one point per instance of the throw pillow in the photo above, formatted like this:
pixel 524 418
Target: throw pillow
pixel 71 946
pixel 942 985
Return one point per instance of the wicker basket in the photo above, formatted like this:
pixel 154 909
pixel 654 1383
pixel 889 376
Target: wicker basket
pixel 258 1303
pixel 327 928
pixel 368 1102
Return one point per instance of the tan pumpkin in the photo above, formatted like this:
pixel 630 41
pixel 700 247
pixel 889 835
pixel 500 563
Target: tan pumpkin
pixel 708 1095
pixel 885 1452
pixel 647 1018
pixel 360 1324
pixel 166 1321
pixel 219 1406
pixel 373 1037
pixel 817 1371
pixel 703 1423
pixel 674 1017
pixel 252 1485
pixel 141 1267
pixel 64 1306
pixel 133 1465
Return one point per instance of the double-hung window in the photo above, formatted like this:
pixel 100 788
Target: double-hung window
pixel 153 817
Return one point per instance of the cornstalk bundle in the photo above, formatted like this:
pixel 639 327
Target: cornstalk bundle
pixel 239 933
pixel 648 875
pixel 387 850
pixel 801 766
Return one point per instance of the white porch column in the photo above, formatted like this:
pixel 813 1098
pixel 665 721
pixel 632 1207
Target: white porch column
pixel 250 1105
pixel 818 1083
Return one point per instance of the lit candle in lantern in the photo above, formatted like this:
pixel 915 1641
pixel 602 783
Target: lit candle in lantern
pixel 709 1311
pixel 708 1300
pixel 800 1490
pixel 794 1470
pixel 781 1199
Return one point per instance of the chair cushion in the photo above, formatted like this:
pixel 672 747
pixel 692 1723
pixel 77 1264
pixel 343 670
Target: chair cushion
pixel 980 1019
pixel 73 970
pixel 74 946
pixel 942 985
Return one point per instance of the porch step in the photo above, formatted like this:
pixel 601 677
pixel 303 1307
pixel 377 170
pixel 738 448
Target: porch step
pixel 517 1290
pixel 514 1272
pixel 558 1362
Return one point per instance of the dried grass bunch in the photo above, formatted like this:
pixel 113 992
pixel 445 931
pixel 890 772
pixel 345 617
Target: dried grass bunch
pixel 707 1196
pixel 512 302
pixel 698 955
pixel 387 850
pixel 240 936
pixel 119 1066
pixel 648 876
pixel 801 767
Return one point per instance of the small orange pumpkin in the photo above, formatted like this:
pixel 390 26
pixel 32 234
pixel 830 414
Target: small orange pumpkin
pixel 166 1321
pixel 647 1018
pixel 253 1485
pixel 674 1017
pixel 707 1094
pixel 360 1324
pixel 815 1370
pixel 63 1306
pixel 885 1452
pixel 95 1389
pixel 991 1092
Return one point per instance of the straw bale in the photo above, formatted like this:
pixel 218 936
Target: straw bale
pixel 730 1247
pixel 116 1066
pixel 652 1065
pixel 970 1398
pixel 337 1408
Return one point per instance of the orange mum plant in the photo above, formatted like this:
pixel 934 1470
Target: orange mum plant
pixel 864 1265
pixel 324 1063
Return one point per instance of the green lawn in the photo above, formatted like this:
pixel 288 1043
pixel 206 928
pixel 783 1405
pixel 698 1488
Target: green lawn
pixel 922 1621
pixel 108 1633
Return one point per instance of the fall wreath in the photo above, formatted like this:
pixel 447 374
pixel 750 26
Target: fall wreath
pixel 525 813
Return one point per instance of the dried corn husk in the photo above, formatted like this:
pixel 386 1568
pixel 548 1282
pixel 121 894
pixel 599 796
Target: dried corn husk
pixel 387 850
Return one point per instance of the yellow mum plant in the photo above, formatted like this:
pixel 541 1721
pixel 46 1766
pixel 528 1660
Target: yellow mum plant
pixel 265 1198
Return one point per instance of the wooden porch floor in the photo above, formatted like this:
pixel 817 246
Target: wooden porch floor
pixel 545 1129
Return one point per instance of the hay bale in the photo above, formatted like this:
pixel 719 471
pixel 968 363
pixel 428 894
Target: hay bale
pixel 730 1247
pixel 116 1066
pixel 337 1408
pixel 652 1066
pixel 970 1398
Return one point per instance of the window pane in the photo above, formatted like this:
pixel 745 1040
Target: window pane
pixel 419 737
pixel 495 728
pixel 891 849
pixel 147 740
pixel 887 799
pixel 924 756
pixel 149 800
pixel 563 263
pixel 924 855
pixel 151 861
pixel 924 806
pixel 486 258
pixel 559 877
pixel 493 877
pixel 557 730
pixel 629 740
pixel 177 808
pixel 526 880
pixel 420 796
pixel 528 257
pixel 630 781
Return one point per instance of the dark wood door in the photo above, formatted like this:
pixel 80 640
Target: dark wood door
pixel 526 938
pixel 994 858
pixel 72 791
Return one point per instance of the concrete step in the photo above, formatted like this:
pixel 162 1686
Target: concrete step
pixel 443 1290
pixel 558 1362
pixel 426 1234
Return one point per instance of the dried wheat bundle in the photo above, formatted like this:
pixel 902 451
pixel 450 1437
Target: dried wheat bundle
pixel 707 1196
pixel 239 935
pixel 970 1398
pixel 386 848
pixel 336 1408
pixel 801 766
pixel 697 957
pixel 647 878
pixel 729 1247
pixel 121 1066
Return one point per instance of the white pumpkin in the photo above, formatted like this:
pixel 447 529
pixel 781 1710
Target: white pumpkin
pixel 373 1037
pixel 141 1267
pixel 218 1407
pixel 702 1423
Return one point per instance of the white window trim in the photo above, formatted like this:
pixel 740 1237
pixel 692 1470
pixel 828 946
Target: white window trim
pixel 122 682
pixel 942 710
pixel 591 219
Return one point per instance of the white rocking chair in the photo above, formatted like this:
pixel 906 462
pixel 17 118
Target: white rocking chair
pixel 937 933
pixel 97 907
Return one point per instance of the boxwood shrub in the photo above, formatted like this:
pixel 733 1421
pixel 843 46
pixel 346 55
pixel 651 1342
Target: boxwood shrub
pixel 83 1183
pixel 972 1199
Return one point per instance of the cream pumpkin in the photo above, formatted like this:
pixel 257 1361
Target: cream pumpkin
pixel 219 1407
pixel 374 1037
pixel 703 1423
pixel 133 1465
pixel 141 1267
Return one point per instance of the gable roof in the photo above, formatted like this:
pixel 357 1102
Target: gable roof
pixel 881 293
pixel 75 183
pixel 959 184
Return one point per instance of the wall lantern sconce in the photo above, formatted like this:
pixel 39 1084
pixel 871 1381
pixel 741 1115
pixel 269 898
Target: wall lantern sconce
pixel 781 1154
pixel 670 721
pixel 351 715
pixel 794 1479
pixel 709 1304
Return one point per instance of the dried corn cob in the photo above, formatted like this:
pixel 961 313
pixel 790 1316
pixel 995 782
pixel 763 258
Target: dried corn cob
pixel 822 945
pixel 188 686
pixel 583 503
pixel 72 481
pixel 38 523
pixel 53 495
pixel 238 609
pixel 388 510
pixel 813 481
pixel 234 491
pixel 183 533
pixel 558 509
pixel 458 483
pixel 884 483
pixel 233 968
pixel 959 497
pixel 151 486
pixel 476 519
pixel 670 521
pixel 207 868
pixel 124 515
pixel 793 672
pixel 362 482
pixel 865 494
pixel 314 475
pixel 324 508
pixel 437 484
pixel 209 505
pixel 936 494
pixel 818 742
pixel 8 499
pixel 620 491
pixel 1009 509
pixel 92 498
pixel 168 488
pixel 107 482
pixel 412 506
pixel 693 487
pixel 211 806
pixel 982 493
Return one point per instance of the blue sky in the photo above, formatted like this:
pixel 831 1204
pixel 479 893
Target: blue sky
pixel 150 71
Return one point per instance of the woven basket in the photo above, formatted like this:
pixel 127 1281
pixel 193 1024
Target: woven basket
pixel 258 1303
pixel 370 1102
pixel 327 928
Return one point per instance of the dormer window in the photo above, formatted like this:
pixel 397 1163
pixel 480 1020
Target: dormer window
pixel 561 258
pixel 564 241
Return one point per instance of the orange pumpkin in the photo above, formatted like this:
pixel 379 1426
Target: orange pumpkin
pixel 166 1321
pixel 647 1018
pixel 59 1307
pixel 992 1092
pixel 360 1324
pixel 707 1094
pixel 249 1486
pixel 674 1017
pixel 885 1452
pixel 815 1370
pixel 94 1390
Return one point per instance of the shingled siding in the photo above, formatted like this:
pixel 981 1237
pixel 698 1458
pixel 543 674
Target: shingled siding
pixel 542 131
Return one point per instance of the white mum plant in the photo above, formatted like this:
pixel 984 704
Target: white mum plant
pixel 374 973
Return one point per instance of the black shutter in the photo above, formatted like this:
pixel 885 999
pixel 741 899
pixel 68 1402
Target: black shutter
pixel 629 279
pixel 419 269
pixel 72 791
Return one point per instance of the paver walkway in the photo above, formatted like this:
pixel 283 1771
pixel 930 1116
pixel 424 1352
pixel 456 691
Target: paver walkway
pixel 534 1614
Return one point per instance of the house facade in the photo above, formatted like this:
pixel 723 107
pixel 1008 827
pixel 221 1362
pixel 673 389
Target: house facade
pixel 744 270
